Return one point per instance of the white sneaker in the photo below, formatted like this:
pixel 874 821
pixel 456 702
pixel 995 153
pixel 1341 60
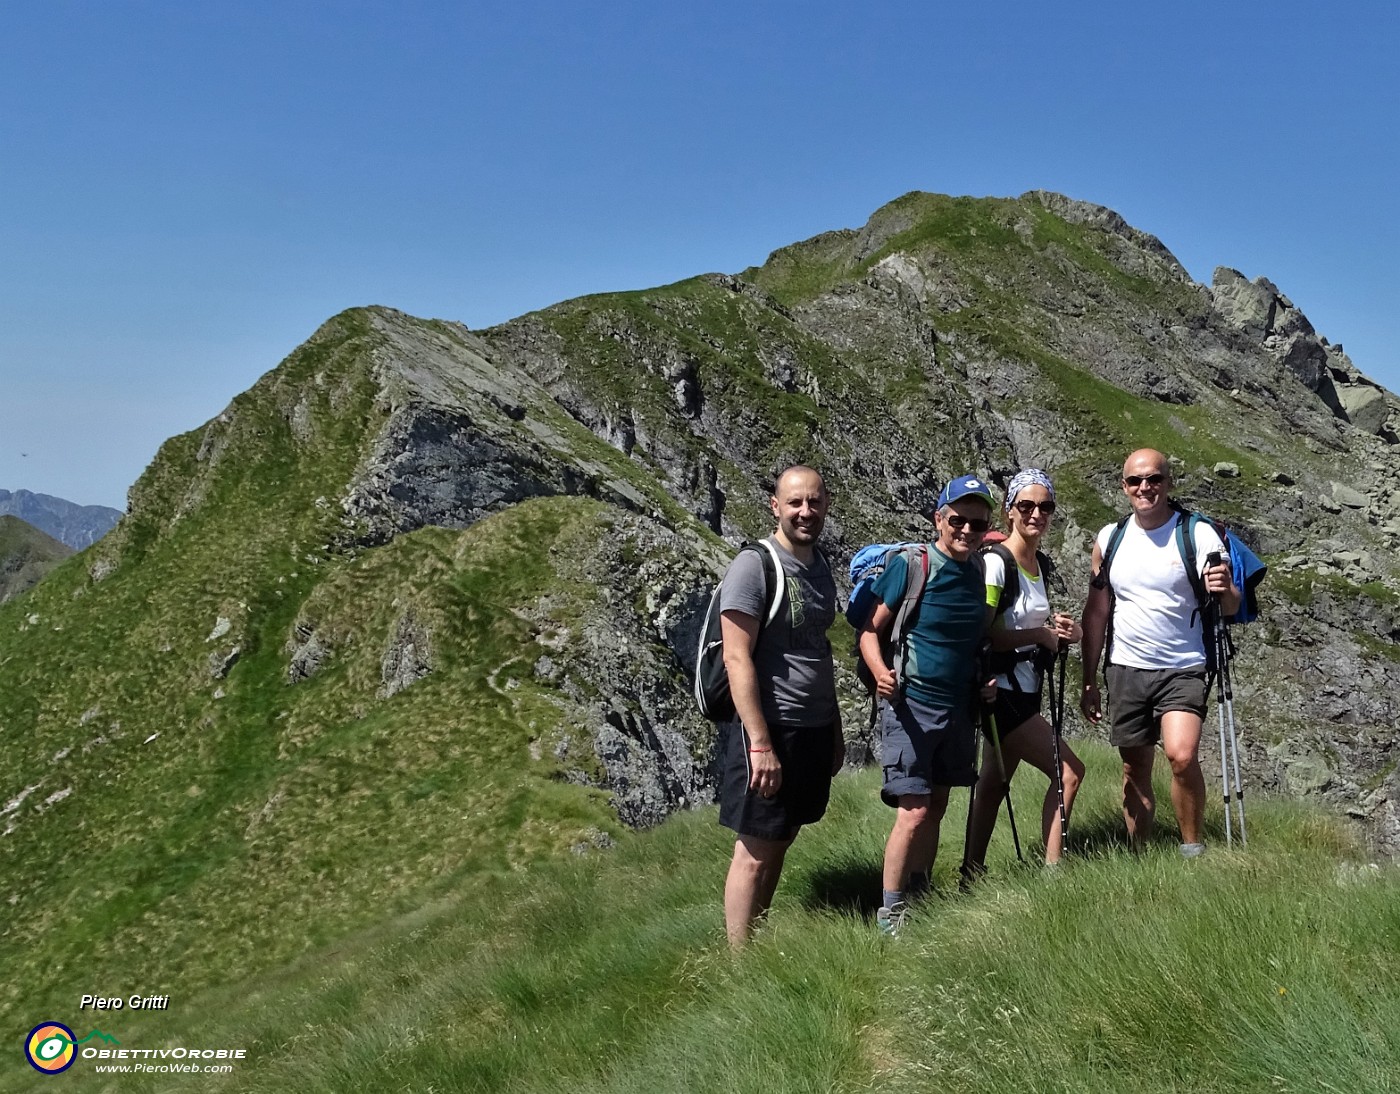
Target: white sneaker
pixel 891 920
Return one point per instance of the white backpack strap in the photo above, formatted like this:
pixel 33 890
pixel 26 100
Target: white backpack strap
pixel 780 587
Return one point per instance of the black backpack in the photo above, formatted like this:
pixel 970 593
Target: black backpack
pixel 1004 662
pixel 711 677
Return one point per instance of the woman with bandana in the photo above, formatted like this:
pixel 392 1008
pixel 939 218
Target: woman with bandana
pixel 1025 636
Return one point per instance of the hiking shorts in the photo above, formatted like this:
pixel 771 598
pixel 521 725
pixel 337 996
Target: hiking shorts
pixel 1012 710
pixel 806 755
pixel 1137 699
pixel 923 747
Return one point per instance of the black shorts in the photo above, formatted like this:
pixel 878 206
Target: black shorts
pixel 1012 710
pixel 1137 699
pixel 806 753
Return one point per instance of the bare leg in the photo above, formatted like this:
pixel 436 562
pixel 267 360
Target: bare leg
pixel 1181 740
pixel 1034 743
pixel 749 887
pixel 1139 804
pixel 986 804
pixel 913 843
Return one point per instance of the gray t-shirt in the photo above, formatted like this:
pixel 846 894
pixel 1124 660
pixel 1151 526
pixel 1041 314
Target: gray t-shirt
pixel 796 679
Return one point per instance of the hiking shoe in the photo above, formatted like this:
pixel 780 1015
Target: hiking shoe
pixel 969 874
pixel 1192 850
pixel 891 920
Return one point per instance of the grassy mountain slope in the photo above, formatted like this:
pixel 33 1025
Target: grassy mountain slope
pixel 26 555
pixel 228 715
pixel 410 617
pixel 1264 969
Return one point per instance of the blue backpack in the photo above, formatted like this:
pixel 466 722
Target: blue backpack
pixel 866 567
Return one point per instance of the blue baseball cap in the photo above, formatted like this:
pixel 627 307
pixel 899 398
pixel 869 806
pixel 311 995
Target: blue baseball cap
pixel 966 486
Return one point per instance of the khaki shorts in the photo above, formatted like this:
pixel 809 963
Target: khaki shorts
pixel 1137 699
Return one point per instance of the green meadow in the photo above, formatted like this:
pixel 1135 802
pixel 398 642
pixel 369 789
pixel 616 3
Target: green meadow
pixel 1269 968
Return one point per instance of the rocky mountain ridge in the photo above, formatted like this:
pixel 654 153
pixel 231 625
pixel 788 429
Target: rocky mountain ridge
pixel 429 595
pixel 946 333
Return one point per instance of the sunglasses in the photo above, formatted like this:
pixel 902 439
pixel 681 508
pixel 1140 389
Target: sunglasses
pixel 972 524
pixel 1138 480
pixel 1026 508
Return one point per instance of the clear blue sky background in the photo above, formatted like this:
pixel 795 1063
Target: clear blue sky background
pixel 188 190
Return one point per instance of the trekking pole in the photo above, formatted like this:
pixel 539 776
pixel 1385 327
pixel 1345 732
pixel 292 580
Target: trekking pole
pixel 1224 658
pixel 1220 708
pixel 1057 718
pixel 966 871
pixel 1225 705
pixel 991 720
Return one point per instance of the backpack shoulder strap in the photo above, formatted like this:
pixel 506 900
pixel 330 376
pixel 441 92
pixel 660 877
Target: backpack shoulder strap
pixel 1185 536
pixel 1011 575
pixel 1114 540
pixel 774 580
pixel 917 562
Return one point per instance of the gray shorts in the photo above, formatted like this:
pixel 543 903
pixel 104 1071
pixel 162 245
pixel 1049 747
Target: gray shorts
pixel 1137 699
pixel 923 747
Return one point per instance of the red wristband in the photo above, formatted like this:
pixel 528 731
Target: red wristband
pixel 760 750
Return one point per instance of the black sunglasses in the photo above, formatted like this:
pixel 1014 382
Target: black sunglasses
pixel 975 524
pixel 1138 480
pixel 1026 508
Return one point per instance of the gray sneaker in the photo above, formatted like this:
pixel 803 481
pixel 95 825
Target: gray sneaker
pixel 1192 850
pixel 891 920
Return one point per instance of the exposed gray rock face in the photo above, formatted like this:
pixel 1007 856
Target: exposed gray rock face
pixel 1265 315
pixel 408 657
pixel 623 667
pixel 1365 406
pixel 78 526
pixel 463 438
pixel 308 653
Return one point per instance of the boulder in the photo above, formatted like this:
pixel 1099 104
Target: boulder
pixel 1364 406
pixel 1348 496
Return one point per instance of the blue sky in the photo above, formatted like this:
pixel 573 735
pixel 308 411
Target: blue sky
pixel 187 191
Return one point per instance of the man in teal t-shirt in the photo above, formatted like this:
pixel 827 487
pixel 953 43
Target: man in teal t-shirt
pixel 927 737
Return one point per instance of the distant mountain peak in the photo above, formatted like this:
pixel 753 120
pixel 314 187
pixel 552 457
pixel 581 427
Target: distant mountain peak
pixel 79 526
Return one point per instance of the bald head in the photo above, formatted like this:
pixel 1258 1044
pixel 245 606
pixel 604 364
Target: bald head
pixel 1146 461
pixel 799 505
pixel 1147 478
pixel 799 474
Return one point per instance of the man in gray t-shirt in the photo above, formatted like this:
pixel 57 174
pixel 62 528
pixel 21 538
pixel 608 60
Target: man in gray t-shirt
pixel 785 744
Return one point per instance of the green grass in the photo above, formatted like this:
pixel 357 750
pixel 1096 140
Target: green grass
pixel 1260 969
pixel 204 837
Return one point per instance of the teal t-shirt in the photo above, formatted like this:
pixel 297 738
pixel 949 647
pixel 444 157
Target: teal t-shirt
pixel 942 646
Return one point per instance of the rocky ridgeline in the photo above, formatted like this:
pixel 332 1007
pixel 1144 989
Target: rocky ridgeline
pixel 944 335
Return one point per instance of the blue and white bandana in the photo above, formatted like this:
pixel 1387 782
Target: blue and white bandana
pixel 1031 476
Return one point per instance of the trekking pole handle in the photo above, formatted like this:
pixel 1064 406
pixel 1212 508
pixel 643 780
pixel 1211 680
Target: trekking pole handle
pixel 1213 560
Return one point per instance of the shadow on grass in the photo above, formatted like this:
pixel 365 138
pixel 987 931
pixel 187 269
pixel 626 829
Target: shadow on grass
pixel 852 887
pixel 1103 836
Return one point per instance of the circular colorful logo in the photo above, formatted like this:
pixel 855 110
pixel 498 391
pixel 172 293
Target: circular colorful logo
pixel 50 1047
